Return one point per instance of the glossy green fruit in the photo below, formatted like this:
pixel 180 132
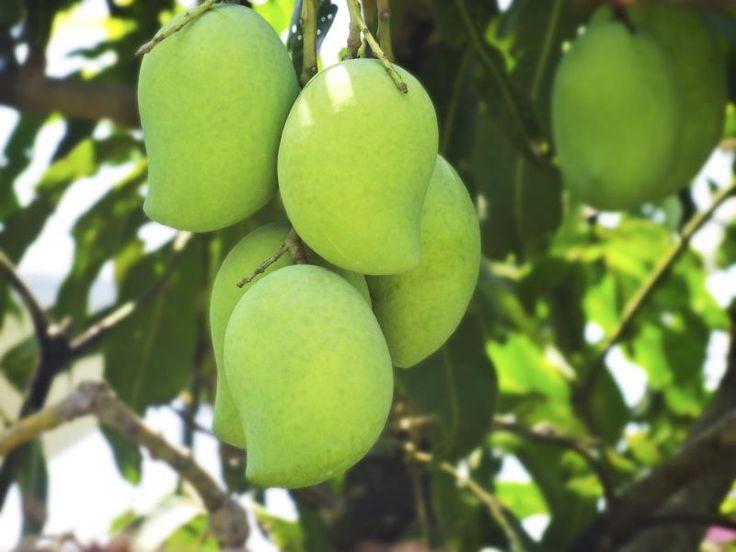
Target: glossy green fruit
pixel 250 252
pixel 213 99
pixel 354 164
pixel 419 309
pixel 311 369
pixel 699 69
pixel 615 117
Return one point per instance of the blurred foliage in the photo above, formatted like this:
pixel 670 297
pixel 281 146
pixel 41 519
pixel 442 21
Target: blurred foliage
pixel 553 285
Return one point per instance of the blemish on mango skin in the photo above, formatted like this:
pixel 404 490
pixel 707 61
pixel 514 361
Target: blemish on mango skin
pixel 213 98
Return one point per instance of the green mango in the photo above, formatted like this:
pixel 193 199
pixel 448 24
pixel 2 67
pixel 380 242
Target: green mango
pixel 242 260
pixel 615 116
pixel 310 367
pixel 213 99
pixel 418 310
pixel 354 164
pixel 699 69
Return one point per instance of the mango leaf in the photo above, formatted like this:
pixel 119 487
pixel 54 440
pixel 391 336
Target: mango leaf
pixel 99 235
pixel 33 481
pixel 19 361
pixel 127 455
pixel 149 356
pixel 457 385
pixel 523 499
pixel 193 536
pixel 288 536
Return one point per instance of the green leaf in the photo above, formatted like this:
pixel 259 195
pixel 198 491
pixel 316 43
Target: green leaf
pixel 458 386
pixel 19 362
pixel 193 536
pixel 33 480
pixel 287 535
pixel 523 499
pixel 149 356
pixel 127 455
pixel 99 235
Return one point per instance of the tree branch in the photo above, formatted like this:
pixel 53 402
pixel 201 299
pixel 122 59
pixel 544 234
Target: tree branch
pixel 579 446
pixel 40 321
pixel 309 40
pixel 709 451
pixel 645 291
pixel 228 521
pixel 59 352
pixel 494 506
pixel 27 89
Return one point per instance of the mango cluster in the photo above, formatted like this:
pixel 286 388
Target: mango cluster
pixel 638 104
pixel 305 352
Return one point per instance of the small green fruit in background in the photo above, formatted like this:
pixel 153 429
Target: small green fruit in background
pixel 699 69
pixel 242 260
pixel 615 117
pixel 354 164
pixel 213 98
pixel 419 309
pixel 311 373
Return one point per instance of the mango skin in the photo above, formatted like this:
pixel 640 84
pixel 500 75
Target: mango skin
pixel 354 164
pixel 699 69
pixel 213 98
pixel 306 355
pixel 249 252
pixel 615 117
pixel 418 310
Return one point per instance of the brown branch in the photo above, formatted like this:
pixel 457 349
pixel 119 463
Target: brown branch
pixel 579 446
pixel 27 89
pixel 645 292
pixel 40 321
pixel 295 247
pixel 384 28
pixel 59 352
pixel 709 451
pixel 228 521
pixel 689 519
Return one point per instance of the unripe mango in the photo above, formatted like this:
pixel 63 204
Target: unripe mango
pixel 242 260
pixel 311 369
pixel 354 164
pixel 213 99
pixel 615 117
pixel 699 70
pixel 419 309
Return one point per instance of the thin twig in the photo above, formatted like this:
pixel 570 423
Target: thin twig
pixel 40 321
pixel 384 28
pixel 356 21
pixel 645 291
pixel 579 446
pixel 309 40
pixel 261 268
pixel 228 521
pixel 189 16
pixel 91 336
pixel 494 506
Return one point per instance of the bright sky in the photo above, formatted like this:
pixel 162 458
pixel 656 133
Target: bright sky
pixel 86 493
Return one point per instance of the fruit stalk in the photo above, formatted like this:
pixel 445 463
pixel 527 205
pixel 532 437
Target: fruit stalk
pixel 188 16
pixel 384 28
pixel 309 34
pixel 357 22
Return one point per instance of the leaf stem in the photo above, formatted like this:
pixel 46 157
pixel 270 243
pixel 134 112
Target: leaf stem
pixel 189 16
